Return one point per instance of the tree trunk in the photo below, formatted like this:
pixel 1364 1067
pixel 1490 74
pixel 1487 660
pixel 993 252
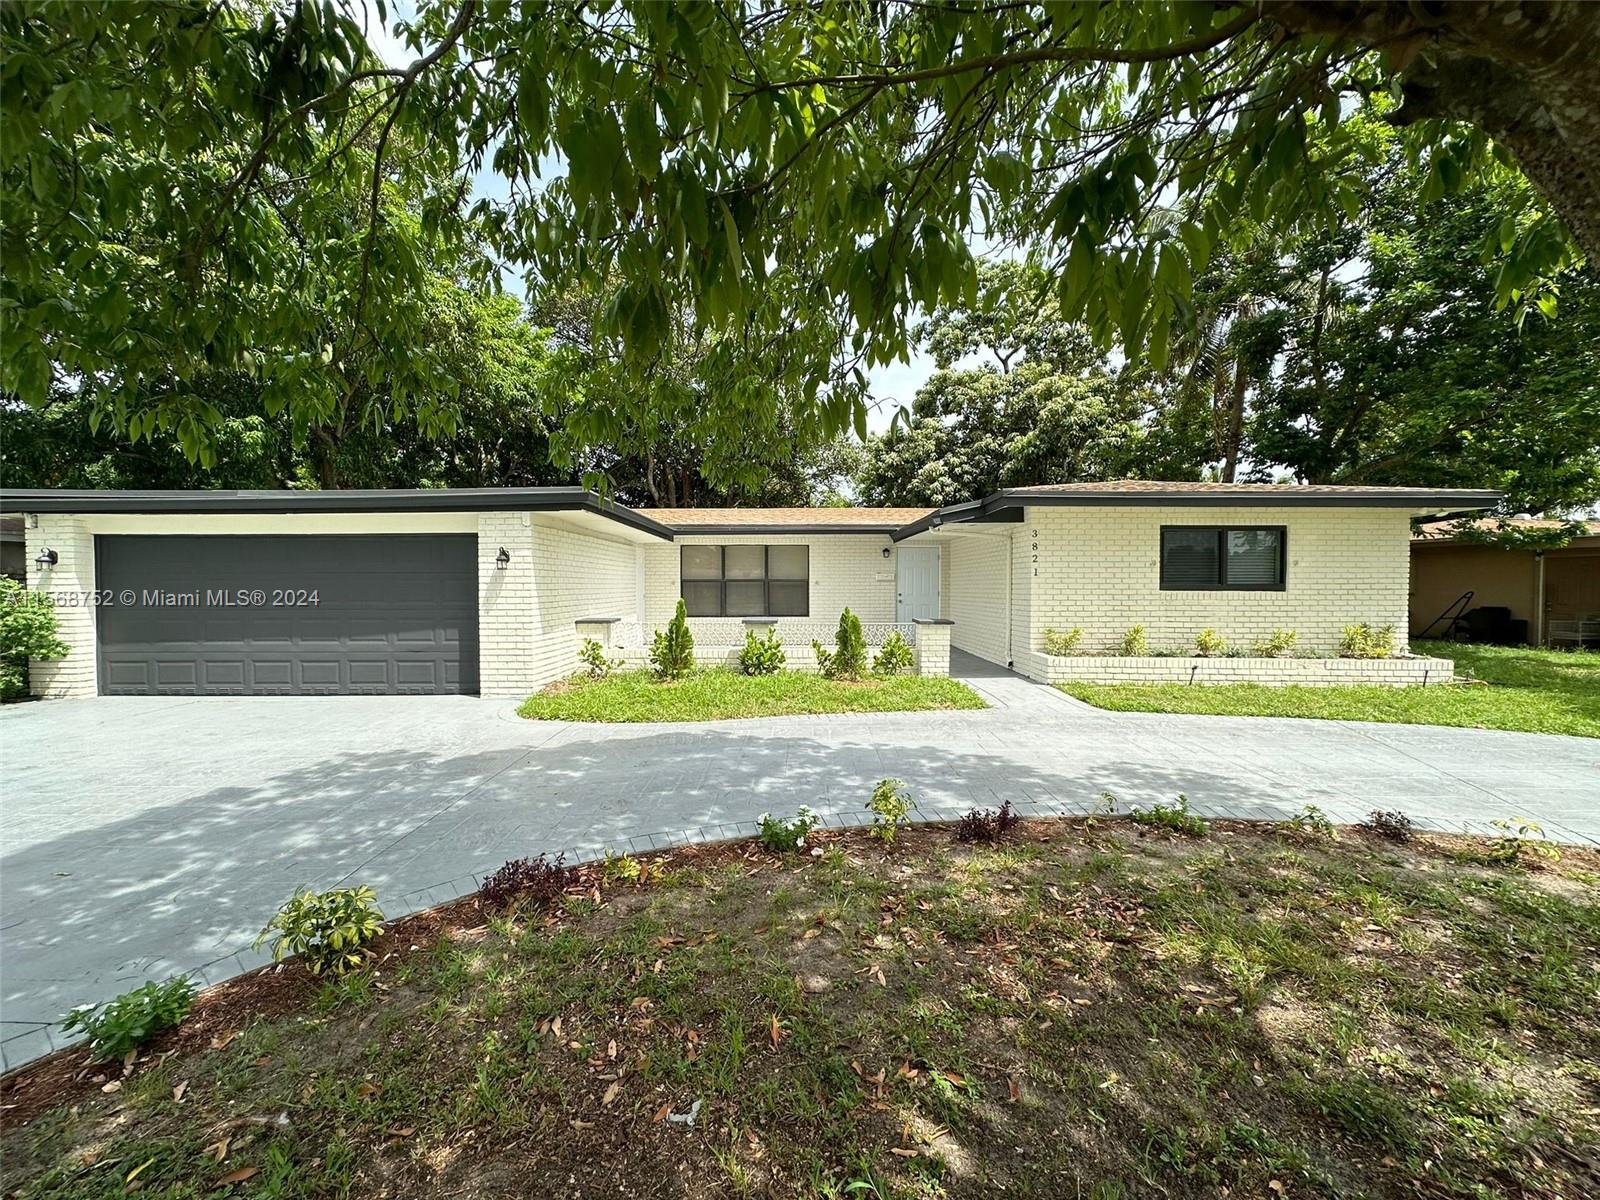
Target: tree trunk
pixel 327 460
pixel 1230 453
pixel 1526 73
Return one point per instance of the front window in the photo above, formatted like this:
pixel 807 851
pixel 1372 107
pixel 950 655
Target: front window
pixel 746 581
pixel 1214 558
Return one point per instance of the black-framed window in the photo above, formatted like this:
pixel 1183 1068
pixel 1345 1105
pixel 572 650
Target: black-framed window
pixel 1204 558
pixel 746 581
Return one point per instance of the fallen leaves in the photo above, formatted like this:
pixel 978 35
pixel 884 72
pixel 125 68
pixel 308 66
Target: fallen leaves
pixel 233 1177
pixel 177 1092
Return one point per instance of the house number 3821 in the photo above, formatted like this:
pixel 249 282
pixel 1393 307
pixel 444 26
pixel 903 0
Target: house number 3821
pixel 1034 534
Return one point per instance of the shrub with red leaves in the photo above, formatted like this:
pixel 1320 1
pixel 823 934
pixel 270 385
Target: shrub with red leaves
pixel 987 825
pixel 534 879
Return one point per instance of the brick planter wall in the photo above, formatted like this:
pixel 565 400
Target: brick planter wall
pixel 1313 672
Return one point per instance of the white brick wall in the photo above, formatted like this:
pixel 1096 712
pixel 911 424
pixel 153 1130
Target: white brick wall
pixel 1099 568
pixel 980 566
pixel 71 583
pixel 527 633
pixel 846 570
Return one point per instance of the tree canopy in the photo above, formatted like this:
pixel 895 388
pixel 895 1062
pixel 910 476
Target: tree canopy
pixel 191 187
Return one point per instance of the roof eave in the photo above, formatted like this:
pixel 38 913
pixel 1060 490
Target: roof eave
pixel 456 500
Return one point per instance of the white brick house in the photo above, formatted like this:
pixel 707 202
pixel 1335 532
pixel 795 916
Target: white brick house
pixel 490 590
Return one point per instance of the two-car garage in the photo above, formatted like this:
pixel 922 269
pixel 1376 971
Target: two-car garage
pixel 300 614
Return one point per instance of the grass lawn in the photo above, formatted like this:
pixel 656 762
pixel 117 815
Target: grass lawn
pixel 1089 1010
pixel 714 695
pixel 1535 691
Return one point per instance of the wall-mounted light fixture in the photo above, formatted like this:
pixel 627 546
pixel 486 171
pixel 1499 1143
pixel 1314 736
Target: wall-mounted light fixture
pixel 502 560
pixel 886 552
pixel 47 559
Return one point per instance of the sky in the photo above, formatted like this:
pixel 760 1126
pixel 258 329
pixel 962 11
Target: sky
pixel 892 386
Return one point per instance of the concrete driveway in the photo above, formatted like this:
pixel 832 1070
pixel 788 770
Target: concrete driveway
pixel 144 837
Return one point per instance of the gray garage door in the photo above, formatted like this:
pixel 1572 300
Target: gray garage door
pixel 294 615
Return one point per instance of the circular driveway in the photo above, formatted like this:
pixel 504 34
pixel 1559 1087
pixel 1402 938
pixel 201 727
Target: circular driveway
pixel 146 837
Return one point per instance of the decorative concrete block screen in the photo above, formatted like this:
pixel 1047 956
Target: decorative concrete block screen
pixel 1311 672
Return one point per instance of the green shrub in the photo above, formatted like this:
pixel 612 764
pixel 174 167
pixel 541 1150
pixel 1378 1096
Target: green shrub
pixel 1313 822
pixel 890 807
pixel 27 630
pixel 1208 643
pixel 621 868
pixel 119 1026
pixel 1134 644
pixel 328 930
pixel 783 835
pixel 1277 644
pixel 762 655
pixel 849 657
pixel 672 651
pixel 1175 817
pixel 1364 641
pixel 595 663
pixel 1062 642
pixel 1519 839
pixel 894 656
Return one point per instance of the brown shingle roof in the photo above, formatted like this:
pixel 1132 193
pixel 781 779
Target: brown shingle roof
pixel 689 520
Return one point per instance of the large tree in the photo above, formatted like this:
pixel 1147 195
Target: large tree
pixel 1022 397
pixel 177 180
pixel 1385 363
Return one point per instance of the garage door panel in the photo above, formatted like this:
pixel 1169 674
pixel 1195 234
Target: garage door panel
pixel 275 675
pixel 395 613
pixel 177 673
pixel 219 673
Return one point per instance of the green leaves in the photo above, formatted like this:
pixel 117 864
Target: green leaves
pixel 189 190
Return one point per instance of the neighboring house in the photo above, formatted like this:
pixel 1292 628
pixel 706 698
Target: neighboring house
pixel 489 590
pixel 1549 596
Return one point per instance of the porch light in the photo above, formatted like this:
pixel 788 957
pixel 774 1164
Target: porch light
pixel 886 552
pixel 47 559
pixel 502 560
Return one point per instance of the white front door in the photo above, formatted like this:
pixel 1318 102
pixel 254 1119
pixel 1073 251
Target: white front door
pixel 917 583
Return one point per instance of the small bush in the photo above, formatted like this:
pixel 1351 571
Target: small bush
pixel 528 879
pixel 987 825
pixel 1277 644
pixel 27 630
pixel 595 663
pixel 894 656
pixel 890 807
pixel 1518 841
pixel 672 650
pixel 1175 817
pixel 1364 641
pixel 1134 643
pixel 1208 643
pixel 849 657
pixel 1062 642
pixel 784 835
pixel 622 868
pixel 115 1028
pixel 1391 825
pixel 328 930
pixel 1313 822
pixel 762 655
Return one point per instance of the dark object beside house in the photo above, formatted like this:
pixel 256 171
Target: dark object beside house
pixel 1492 624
